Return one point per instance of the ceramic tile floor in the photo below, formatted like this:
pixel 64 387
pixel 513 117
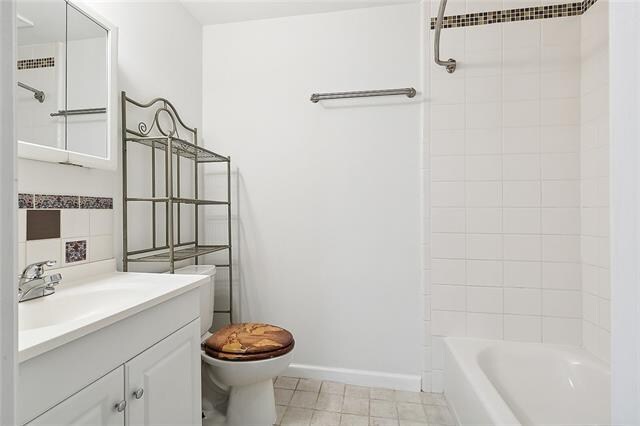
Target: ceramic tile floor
pixel 306 402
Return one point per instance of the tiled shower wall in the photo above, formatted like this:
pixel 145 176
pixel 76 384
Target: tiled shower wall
pixel 504 145
pixel 596 285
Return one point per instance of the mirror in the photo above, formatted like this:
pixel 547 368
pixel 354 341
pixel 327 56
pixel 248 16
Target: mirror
pixel 65 94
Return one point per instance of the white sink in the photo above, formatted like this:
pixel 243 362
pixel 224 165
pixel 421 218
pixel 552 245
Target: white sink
pixel 84 306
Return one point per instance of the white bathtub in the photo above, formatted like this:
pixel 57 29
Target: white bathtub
pixel 504 383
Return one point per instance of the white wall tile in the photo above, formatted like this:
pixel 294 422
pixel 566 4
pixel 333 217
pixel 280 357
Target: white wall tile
pixel 75 222
pixel 524 113
pixel 521 87
pixel 449 271
pixel 561 248
pixel 484 299
pixel 101 222
pixel 562 303
pixel 484 220
pixel 483 89
pixel 522 247
pixel 521 220
pixel 447 168
pixel 560 166
pixel 560 112
pixel 521 140
pixel 448 194
pixel 558 275
pixel 484 273
pixel 483 141
pixel 521 167
pixel 484 326
pixel 562 193
pixel 483 194
pixel 560 139
pixel 41 250
pixel 564 221
pixel 449 323
pixel 447 117
pixel 522 301
pixel 100 248
pixel 448 297
pixel 522 274
pixel 483 167
pixel 522 194
pixel 448 246
pixel 447 142
pixel 484 246
pixel 448 219
pixel 523 328
pixel 483 115
pixel 566 331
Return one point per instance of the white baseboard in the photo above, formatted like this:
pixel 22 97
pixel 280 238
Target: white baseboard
pixel 379 379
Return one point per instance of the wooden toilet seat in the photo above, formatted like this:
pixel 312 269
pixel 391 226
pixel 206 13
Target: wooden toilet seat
pixel 249 342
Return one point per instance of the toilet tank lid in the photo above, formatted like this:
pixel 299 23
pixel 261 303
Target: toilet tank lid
pixel 209 270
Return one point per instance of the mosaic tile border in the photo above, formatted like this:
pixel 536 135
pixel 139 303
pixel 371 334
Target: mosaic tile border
pixel 28 64
pixel 514 15
pixel 44 201
pixel 75 251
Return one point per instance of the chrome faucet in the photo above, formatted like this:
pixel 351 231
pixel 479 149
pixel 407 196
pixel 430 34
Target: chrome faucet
pixel 34 284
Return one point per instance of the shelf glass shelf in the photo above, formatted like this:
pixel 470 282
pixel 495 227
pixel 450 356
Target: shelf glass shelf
pixel 179 200
pixel 179 254
pixel 182 148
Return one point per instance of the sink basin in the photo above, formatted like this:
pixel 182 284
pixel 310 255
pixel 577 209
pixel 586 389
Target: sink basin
pixel 81 307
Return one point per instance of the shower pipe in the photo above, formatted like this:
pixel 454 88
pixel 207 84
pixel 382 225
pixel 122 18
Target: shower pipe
pixel 451 63
pixel 37 94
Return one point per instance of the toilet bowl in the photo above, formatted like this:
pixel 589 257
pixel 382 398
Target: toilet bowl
pixel 239 363
pixel 249 386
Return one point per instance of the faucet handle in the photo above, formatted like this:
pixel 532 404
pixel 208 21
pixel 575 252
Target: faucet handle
pixel 35 270
pixel 52 280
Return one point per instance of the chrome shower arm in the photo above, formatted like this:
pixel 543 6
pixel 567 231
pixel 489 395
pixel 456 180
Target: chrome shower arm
pixel 37 94
pixel 450 64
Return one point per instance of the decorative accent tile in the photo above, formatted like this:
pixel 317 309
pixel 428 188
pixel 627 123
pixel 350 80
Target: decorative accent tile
pixel 56 201
pixel 513 15
pixel 44 201
pixel 96 203
pixel 26 64
pixel 43 224
pixel 75 251
pixel 25 201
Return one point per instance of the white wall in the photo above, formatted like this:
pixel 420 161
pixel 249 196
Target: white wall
pixel 159 54
pixel 505 194
pixel 594 173
pixel 624 65
pixel 328 194
pixel 8 221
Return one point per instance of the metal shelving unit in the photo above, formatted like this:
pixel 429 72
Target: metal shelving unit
pixel 171 144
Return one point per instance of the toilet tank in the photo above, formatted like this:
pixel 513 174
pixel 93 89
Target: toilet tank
pixel 207 292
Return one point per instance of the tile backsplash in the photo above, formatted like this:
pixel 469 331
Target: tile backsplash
pixel 69 229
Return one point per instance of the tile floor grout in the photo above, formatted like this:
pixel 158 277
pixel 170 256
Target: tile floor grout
pixel 309 402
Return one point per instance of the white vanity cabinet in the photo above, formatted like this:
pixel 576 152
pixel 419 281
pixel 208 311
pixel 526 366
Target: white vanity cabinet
pixel 93 405
pixel 161 386
pixel 163 383
pixel 141 350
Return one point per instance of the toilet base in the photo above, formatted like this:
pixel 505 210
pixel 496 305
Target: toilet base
pixel 253 405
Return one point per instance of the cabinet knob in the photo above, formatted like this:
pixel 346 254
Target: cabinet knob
pixel 120 406
pixel 137 394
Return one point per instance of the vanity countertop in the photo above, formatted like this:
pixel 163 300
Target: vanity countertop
pixel 84 306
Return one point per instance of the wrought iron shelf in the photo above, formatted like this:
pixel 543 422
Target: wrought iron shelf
pixel 179 254
pixel 179 200
pixel 157 132
pixel 180 147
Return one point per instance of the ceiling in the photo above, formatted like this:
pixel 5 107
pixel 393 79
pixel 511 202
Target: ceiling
pixel 210 12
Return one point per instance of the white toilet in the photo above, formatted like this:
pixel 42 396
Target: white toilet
pixel 237 392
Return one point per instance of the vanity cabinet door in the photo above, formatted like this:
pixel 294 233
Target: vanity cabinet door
pixel 95 405
pixel 163 382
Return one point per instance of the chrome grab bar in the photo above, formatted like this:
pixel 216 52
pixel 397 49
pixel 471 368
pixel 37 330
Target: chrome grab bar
pixel 82 111
pixel 409 92
pixel 450 64
pixel 37 94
